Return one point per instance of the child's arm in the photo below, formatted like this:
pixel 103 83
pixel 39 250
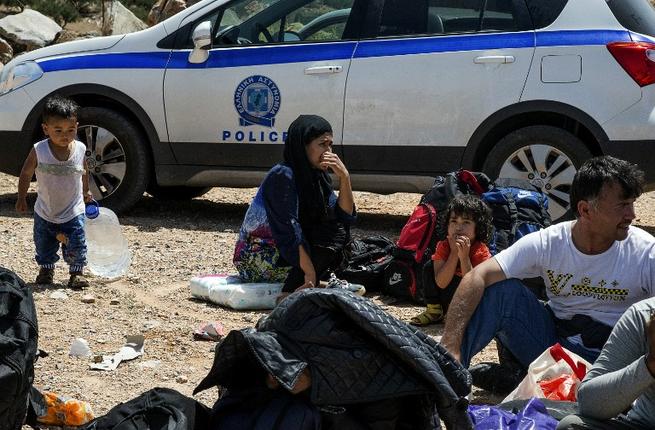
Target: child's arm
pixel 445 270
pixel 26 174
pixel 86 194
pixel 463 254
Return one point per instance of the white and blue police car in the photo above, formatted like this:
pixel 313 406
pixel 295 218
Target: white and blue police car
pixel 413 88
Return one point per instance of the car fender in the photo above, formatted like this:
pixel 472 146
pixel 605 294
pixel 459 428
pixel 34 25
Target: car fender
pixel 500 123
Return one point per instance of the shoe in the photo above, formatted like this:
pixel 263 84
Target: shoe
pixel 45 276
pixel 496 378
pixel 77 281
pixel 433 314
pixel 335 282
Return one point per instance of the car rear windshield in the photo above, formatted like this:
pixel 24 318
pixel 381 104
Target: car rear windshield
pixel 635 15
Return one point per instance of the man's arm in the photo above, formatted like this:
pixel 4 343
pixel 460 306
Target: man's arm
pixel 466 299
pixel 622 372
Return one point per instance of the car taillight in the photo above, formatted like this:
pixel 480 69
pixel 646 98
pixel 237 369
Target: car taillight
pixel 637 58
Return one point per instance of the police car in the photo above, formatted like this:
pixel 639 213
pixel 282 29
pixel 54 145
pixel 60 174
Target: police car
pixel 412 88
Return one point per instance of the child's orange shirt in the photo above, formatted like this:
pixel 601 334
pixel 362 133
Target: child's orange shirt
pixel 478 253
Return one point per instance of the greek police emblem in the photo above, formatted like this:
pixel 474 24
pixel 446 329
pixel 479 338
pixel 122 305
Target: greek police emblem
pixel 257 101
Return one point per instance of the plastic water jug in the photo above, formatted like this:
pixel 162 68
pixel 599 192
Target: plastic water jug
pixel 232 292
pixel 107 252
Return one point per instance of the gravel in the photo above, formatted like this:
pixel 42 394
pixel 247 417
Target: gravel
pixel 171 242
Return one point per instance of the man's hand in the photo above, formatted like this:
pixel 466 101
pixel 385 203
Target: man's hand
pixel 650 337
pixel 88 197
pixel 21 205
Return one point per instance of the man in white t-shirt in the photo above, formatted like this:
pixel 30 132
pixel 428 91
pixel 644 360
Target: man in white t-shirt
pixel 594 268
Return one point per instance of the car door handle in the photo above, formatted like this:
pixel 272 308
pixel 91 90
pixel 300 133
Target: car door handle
pixel 321 70
pixel 497 59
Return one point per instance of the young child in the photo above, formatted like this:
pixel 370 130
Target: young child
pixel 469 227
pixel 62 190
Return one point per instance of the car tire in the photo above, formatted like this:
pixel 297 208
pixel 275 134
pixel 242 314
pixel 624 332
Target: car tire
pixel 116 158
pixel 546 156
pixel 176 192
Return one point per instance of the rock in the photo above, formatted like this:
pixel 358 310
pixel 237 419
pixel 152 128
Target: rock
pixel 114 301
pixel 58 295
pixel 88 299
pixel 29 29
pixel 120 20
pixel 163 9
pixel 6 51
pixel 150 364
pixel 181 379
pixel 65 36
pixel 149 325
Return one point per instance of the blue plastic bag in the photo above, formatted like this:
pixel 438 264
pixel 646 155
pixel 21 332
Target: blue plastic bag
pixel 533 416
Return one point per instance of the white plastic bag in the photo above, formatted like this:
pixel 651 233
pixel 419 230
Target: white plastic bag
pixel 230 291
pixel 555 362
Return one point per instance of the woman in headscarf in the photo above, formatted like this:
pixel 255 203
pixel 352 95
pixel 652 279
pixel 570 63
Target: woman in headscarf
pixel 296 228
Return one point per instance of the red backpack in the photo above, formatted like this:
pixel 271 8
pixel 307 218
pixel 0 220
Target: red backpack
pixel 404 277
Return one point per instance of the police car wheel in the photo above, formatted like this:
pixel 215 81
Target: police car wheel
pixel 546 156
pixel 116 158
pixel 175 192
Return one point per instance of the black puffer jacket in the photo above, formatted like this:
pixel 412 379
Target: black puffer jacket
pixel 356 353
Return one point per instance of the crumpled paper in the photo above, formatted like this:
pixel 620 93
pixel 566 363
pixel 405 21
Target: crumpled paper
pixel 132 349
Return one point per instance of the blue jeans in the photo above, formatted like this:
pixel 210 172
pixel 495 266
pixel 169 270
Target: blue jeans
pixel 73 246
pixel 513 314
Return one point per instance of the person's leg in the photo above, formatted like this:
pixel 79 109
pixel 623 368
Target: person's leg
pixel 46 246
pixel 433 312
pixel 510 312
pixel 74 250
pixel 578 422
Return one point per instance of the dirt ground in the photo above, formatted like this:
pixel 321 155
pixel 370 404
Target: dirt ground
pixel 171 242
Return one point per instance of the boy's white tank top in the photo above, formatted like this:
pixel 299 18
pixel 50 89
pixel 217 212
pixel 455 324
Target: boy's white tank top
pixel 59 183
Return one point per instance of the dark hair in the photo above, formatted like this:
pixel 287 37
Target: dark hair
pixel 59 107
pixel 472 207
pixel 598 171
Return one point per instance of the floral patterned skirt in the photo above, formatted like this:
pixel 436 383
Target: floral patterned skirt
pixel 258 261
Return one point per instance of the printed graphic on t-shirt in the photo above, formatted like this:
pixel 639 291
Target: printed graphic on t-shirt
pixel 558 281
pixel 60 169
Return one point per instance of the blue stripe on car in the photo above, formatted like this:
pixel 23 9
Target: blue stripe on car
pixel 251 56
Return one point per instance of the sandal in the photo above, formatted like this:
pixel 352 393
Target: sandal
pixel 426 318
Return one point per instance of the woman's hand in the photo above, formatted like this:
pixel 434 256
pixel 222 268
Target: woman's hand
pixel 333 162
pixel 310 282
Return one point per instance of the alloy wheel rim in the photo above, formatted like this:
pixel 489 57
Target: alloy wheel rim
pixel 547 168
pixel 104 158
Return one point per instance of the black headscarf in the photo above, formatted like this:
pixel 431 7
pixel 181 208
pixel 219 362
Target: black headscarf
pixel 314 185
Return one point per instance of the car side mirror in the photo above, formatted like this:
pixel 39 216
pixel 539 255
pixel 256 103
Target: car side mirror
pixel 202 40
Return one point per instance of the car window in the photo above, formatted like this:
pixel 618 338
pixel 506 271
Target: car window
pixel 258 22
pixel 465 16
pixel 635 15
pixel 544 13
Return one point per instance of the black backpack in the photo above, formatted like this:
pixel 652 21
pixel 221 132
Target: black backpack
pixel 518 208
pixel 365 261
pixel 156 409
pixel 18 349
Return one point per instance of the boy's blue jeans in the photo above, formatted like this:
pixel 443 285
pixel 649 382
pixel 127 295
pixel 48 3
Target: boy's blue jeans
pixel 513 314
pixel 47 245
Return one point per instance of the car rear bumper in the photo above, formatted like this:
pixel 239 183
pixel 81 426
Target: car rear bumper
pixel 640 152
pixel 14 147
